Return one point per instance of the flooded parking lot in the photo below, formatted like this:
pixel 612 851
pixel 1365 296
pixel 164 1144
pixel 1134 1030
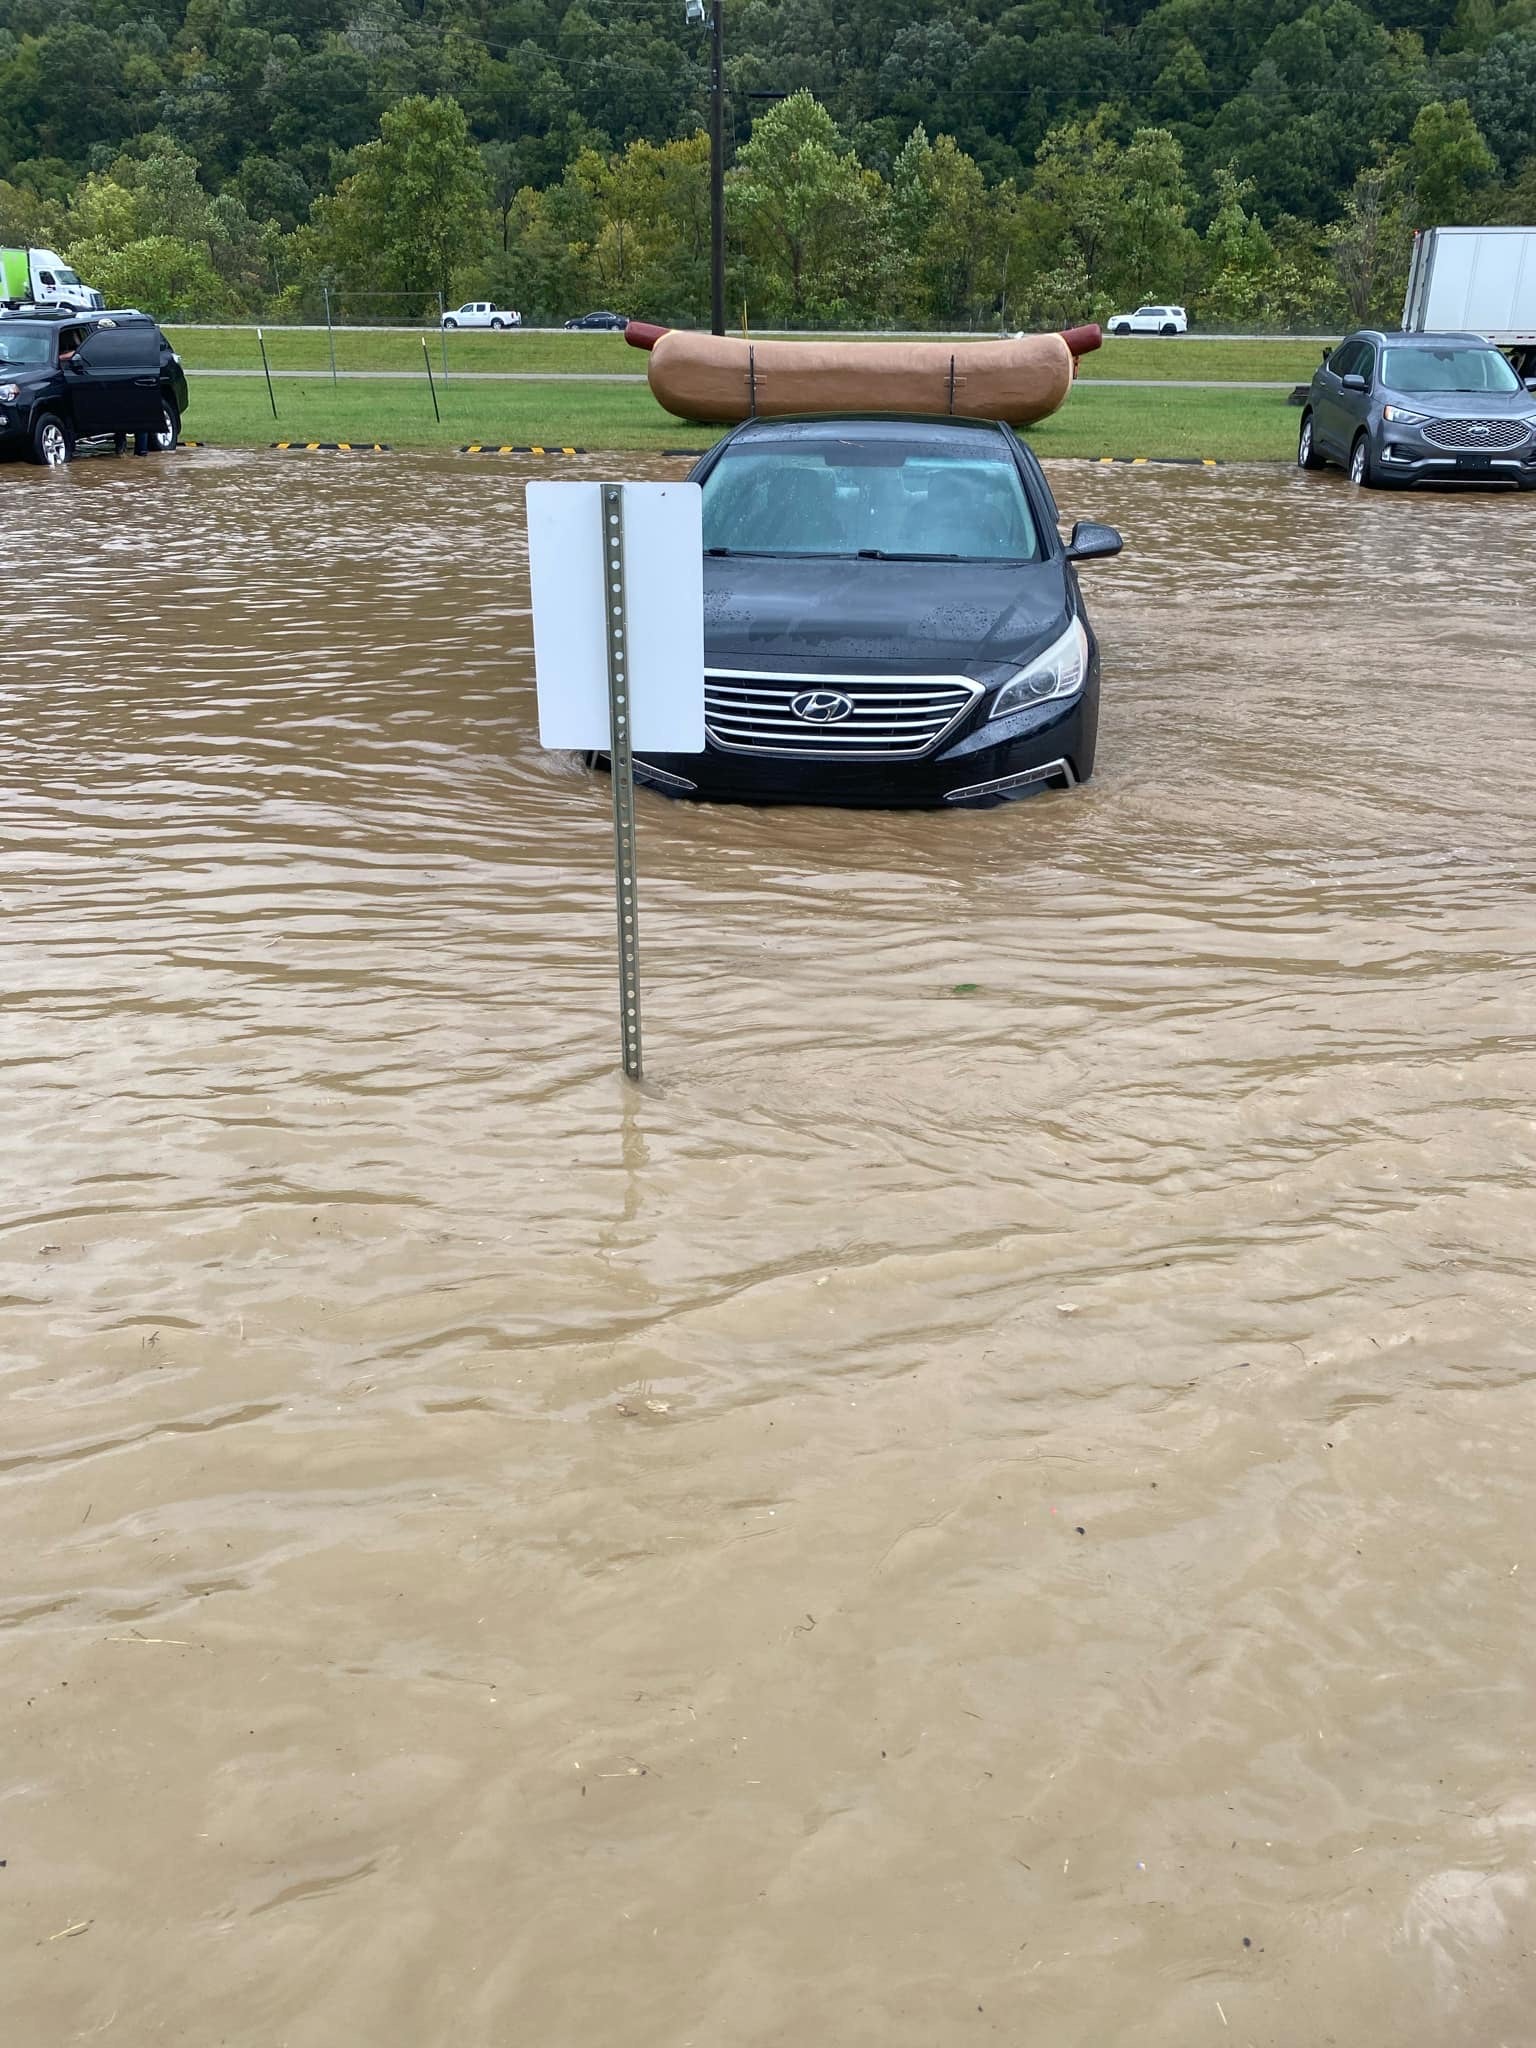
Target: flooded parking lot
pixel 991 1501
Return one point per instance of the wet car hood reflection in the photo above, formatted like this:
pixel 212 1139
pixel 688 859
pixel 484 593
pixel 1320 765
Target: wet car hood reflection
pixel 914 617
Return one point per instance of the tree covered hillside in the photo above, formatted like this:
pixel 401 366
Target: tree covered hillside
pixel 975 162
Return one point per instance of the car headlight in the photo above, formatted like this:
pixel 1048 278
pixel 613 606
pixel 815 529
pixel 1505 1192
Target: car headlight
pixel 1400 416
pixel 1060 671
pixel 9 393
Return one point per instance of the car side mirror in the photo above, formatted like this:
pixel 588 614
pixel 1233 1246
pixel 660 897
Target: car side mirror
pixel 1327 352
pixel 1353 382
pixel 1090 542
pixel 1530 383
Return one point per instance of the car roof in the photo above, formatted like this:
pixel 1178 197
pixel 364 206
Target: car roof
pixel 1400 338
pixel 811 428
pixel 58 316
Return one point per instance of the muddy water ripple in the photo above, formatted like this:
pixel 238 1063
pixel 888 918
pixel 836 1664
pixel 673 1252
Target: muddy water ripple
pixel 991 1502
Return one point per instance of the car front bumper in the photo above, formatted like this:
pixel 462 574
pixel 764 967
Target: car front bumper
pixel 1404 454
pixel 1047 746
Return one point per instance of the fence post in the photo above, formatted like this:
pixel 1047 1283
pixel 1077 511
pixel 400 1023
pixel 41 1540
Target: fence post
pixel 330 332
pixel 442 307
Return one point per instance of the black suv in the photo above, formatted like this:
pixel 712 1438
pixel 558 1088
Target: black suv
pixel 86 377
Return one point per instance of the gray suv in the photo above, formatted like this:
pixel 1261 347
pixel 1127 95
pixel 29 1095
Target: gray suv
pixel 1420 408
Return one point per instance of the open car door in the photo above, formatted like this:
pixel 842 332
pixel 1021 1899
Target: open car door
pixel 115 380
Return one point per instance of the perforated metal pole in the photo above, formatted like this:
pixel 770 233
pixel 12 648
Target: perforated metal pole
pixel 622 762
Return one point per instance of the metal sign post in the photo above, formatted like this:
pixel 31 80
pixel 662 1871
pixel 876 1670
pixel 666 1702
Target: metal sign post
pixel 622 764
pixel 617 577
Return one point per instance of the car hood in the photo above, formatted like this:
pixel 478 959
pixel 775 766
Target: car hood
pixel 778 615
pixel 1465 405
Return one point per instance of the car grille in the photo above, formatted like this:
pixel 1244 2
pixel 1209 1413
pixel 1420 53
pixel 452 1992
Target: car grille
pixel 889 717
pixel 1477 436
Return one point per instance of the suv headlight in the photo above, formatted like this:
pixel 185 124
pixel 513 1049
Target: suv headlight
pixel 1060 671
pixel 1400 416
pixel 9 393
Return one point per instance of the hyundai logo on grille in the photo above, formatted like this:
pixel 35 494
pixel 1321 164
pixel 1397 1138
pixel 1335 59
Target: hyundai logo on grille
pixel 821 707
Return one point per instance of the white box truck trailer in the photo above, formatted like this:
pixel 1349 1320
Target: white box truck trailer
pixel 37 277
pixel 1476 281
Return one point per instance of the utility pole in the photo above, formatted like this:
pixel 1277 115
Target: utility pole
pixel 695 15
pixel 716 170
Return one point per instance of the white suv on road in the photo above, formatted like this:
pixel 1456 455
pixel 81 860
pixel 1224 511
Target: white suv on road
pixel 1150 320
pixel 481 313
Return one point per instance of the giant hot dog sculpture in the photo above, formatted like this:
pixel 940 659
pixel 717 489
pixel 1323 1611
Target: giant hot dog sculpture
pixel 715 378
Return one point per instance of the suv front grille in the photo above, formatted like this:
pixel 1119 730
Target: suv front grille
pixel 1477 436
pixel 888 717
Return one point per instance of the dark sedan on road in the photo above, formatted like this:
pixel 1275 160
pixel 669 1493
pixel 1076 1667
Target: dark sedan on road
pixel 589 323
pixel 890 618
pixel 1420 408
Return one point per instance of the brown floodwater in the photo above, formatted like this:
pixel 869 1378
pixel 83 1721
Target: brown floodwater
pixel 990 1501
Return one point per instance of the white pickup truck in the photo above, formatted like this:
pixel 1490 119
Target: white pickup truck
pixel 482 313
pixel 1476 281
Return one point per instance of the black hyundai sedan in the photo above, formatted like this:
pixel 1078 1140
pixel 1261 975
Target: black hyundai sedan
pixel 890 618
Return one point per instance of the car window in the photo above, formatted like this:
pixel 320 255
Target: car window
pixel 25 347
pixel 128 351
pixel 46 277
pixel 890 498
pixel 1367 362
pixel 1345 361
pixel 1448 369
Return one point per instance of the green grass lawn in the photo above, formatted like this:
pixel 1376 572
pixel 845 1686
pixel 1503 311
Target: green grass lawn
pixel 1288 362
pixel 234 348
pixel 1227 426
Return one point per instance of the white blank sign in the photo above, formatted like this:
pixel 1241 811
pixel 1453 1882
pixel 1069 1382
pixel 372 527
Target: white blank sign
pixel 664 594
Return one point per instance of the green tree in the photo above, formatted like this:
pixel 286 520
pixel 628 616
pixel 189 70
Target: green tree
pixel 945 235
pixel 1449 164
pixel 1502 97
pixel 503 182
pixel 160 273
pixel 1100 222
pixel 808 215
pixel 1369 246
pixel 414 207
pixel 27 219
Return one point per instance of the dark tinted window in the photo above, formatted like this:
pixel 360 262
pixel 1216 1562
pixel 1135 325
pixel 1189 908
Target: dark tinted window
pixel 129 351
pixel 1349 360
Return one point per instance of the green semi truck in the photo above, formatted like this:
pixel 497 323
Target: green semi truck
pixel 39 277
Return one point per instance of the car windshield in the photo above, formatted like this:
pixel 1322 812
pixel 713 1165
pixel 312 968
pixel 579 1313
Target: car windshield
pixel 884 497
pixel 26 346
pixel 66 277
pixel 1448 369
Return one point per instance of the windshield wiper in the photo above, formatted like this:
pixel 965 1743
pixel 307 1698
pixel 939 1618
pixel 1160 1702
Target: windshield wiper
pixel 895 555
